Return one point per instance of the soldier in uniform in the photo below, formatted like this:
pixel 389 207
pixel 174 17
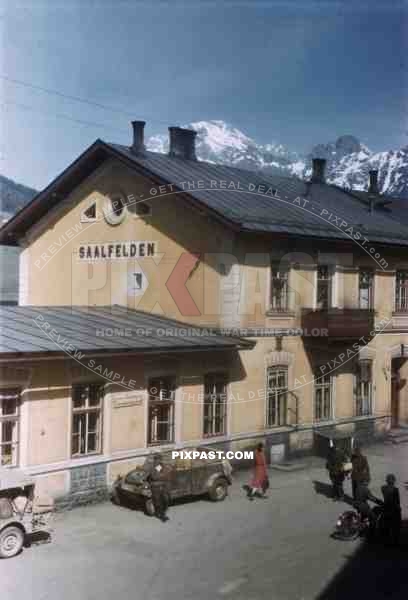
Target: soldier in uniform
pixel 334 465
pixel 157 478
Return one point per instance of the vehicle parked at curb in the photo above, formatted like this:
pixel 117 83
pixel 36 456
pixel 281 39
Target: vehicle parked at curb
pixel 20 517
pixel 185 478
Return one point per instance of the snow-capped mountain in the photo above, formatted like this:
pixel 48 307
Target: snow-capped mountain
pixel 348 160
pixel 219 142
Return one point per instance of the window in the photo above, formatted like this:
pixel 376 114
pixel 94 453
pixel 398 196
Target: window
pixel 161 410
pixel 279 288
pixel 87 403
pixel 277 396
pixel 363 388
pixel 136 283
pixel 322 396
pixel 401 291
pixel 323 287
pixel 215 404
pixel 89 214
pixel 365 289
pixel 9 417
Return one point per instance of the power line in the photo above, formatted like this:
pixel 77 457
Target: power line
pixel 61 116
pixel 75 98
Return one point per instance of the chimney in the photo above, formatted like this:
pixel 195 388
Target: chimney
pixel 319 166
pixel 138 146
pixel 182 143
pixel 373 182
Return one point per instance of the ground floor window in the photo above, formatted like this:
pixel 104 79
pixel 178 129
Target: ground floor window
pixel 363 388
pixel 161 410
pixel 87 401
pixel 322 396
pixel 9 426
pixel 215 404
pixel 277 396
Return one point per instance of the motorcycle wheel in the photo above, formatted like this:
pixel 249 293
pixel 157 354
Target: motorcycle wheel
pixel 350 528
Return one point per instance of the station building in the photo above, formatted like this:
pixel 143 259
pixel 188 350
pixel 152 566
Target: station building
pixel 167 302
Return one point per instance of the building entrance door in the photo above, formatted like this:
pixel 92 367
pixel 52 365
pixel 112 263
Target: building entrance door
pixel 394 399
pixel 397 383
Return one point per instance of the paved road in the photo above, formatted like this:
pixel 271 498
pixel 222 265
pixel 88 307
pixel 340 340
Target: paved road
pixel 276 549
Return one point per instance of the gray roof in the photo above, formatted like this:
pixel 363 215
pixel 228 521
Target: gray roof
pixel 259 212
pixel 24 329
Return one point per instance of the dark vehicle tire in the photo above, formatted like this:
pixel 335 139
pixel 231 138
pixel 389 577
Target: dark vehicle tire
pixel 350 529
pixel 11 541
pixel 219 490
pixel 115 497
pixel 149 508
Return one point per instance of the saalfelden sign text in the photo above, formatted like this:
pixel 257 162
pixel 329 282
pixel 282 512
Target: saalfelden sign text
pixel 116 250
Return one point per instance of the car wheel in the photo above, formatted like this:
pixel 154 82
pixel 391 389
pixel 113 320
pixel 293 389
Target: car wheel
pixel 11 541
pixel 115 497
pixel 218 490
pixel 149 508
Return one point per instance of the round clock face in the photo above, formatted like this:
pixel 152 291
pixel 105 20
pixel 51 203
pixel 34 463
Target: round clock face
pixel 115 210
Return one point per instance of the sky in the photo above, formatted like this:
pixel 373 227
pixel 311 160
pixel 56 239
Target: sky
pixel 296 72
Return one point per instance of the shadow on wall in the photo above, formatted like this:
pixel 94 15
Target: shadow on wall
pixel 374 571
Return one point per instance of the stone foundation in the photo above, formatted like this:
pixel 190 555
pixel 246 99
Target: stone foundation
pixel 88 486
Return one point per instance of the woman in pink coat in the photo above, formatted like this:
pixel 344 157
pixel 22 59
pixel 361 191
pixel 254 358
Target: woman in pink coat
pixel 260 481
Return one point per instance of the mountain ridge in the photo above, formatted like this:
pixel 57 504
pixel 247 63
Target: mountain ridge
pixel 348 162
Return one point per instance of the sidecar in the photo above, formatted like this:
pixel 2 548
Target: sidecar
pixel 20 516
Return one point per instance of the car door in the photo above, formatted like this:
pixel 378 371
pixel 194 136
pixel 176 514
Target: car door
pixel 181 481
pixel 201 471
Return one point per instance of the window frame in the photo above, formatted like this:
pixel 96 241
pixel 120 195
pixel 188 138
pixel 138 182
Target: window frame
pixel 327 282
pixel 85 218
pixel 155 402
pixel 282 271
pixel 277 400
pixel 321 384
pixel 87 410
pixel 214 379
pixel 398 301
pixel 361 273
pixel 9 393
pixel 360 399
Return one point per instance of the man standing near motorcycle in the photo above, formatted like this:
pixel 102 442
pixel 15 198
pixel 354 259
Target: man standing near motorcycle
pixel 157 478
pixel 360 474
pixel 334 465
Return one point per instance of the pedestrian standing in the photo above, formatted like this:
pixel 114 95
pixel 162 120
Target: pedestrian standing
pixel 392 509
pixel 157 478
pixel 360 474
pixel 334 465
pixel 260 480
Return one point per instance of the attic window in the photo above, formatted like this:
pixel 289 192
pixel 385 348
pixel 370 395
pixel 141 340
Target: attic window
pixel 89 214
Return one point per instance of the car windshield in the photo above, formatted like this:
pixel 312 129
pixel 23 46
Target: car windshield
pixel 136 476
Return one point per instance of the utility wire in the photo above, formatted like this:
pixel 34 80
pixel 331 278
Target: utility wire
pixel 75 98
pixel 61 116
